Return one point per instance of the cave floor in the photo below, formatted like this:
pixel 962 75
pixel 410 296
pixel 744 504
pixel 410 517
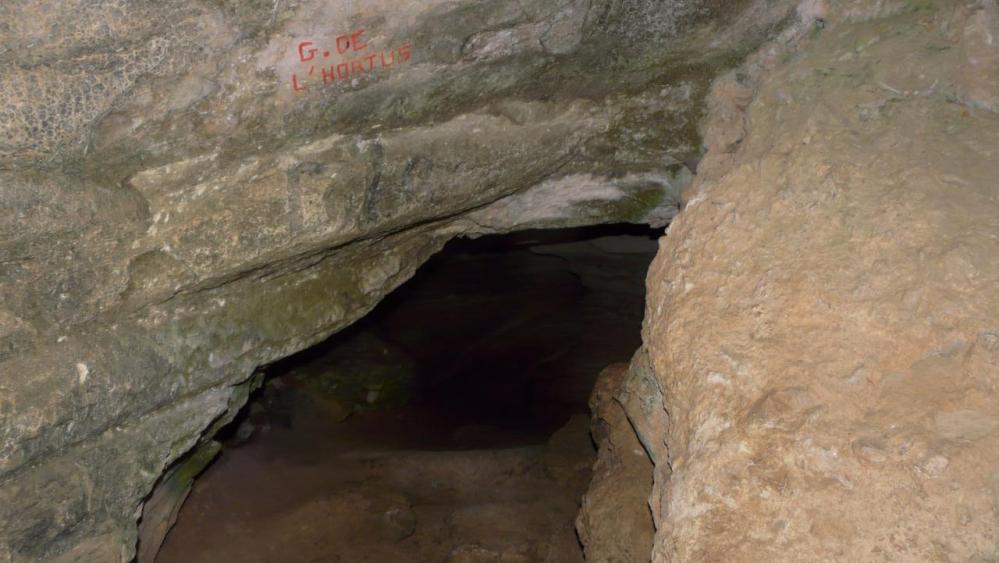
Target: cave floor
pixel 485 459
pixel 352 501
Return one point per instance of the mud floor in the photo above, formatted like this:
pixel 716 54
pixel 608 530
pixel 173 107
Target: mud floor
pixel 449 425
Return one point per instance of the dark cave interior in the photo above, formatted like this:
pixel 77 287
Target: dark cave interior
pixel 451 423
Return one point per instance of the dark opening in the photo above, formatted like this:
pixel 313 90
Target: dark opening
pixel 450 424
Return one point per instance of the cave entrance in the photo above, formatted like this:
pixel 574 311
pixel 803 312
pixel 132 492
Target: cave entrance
pixel 450 424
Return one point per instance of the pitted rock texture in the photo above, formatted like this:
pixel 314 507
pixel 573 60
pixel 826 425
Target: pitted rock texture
pixel 822 317
pixel 174 213
pixel 614 523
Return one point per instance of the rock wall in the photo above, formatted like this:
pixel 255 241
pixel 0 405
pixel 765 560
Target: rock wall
pixel 614 522
pixel 822 330
pixel 192 188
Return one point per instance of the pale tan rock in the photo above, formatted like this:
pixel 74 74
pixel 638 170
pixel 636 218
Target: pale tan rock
pixel 979 75
pixel 822 319
pixel 175 212
pixel 822 316
pixel 615 523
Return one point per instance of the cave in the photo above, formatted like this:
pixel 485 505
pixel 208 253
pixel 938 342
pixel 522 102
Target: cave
pixel 452 422
pixel 203 202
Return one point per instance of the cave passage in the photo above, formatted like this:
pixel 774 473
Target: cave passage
pixel 450 424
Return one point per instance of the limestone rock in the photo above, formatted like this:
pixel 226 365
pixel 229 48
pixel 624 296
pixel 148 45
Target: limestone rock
pixel 567 457
pixel 615 523
pixel 190 189
pixel 159 513
pixel 822 315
